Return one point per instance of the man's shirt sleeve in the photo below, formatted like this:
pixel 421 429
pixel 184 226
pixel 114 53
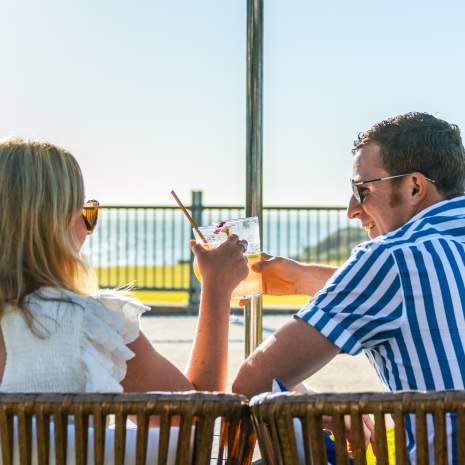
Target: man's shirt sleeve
pixel 361 305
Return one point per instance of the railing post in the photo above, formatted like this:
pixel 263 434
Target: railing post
pixel 194 285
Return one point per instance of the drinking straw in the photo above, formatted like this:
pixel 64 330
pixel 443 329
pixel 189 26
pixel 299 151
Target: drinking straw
pixel 191 220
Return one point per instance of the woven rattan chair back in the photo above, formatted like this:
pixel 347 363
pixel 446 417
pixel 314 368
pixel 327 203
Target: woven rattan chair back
pixel 276 418
pixel 211 428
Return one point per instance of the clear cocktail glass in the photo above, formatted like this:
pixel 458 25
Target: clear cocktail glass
pixel 244 228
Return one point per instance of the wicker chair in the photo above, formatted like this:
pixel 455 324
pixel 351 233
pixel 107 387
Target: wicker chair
pixel 73 428
pixel 277 417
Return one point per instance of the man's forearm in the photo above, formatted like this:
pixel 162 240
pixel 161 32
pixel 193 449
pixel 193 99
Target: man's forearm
pixel 314 278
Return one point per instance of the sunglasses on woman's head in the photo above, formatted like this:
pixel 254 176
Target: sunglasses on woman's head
pixel 90 215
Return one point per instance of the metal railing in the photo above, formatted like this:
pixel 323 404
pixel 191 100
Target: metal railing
pixel 149 245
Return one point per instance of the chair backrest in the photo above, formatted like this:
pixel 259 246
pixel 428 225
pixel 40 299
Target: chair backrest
pixel 289 427
pixel 191 428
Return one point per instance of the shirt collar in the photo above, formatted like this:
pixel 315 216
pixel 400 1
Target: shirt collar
pixel 446 207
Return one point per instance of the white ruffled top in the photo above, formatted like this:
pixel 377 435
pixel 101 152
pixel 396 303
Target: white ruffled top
pixel 83 347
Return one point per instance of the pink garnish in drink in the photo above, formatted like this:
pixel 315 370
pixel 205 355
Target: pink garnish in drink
pixel 219 227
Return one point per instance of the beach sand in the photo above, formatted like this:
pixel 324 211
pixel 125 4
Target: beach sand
pixel 172 337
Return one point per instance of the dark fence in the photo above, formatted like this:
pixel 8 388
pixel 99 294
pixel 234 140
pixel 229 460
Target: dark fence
pixel 149 245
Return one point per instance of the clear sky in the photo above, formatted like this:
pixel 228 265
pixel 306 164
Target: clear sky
pixel 150 95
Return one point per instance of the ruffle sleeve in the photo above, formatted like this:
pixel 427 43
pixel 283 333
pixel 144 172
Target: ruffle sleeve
pixel 110 323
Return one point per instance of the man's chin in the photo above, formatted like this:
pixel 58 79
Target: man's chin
pixel 373 233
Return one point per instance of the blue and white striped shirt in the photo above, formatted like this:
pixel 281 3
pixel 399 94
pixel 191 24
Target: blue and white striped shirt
pixel 401 299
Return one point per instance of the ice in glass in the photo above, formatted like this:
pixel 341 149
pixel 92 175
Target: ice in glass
pixel 244 228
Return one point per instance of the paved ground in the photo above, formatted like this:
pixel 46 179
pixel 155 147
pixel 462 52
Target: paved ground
pixel 172 336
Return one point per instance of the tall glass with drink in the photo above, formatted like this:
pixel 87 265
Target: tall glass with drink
pixel 244 228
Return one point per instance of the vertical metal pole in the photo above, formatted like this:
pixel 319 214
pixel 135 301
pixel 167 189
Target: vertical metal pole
pixel 194 285
pixel 254 151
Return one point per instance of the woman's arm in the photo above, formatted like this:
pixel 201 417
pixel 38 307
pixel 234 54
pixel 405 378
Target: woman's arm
pixel 222 269
pixel 207 368
pixel 148 370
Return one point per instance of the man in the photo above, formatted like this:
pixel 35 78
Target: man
pixel 400 297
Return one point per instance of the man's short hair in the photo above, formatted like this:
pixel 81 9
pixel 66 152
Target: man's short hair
pixel 420 142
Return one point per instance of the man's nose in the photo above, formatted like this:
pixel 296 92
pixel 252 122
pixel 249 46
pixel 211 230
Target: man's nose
pixel 354 209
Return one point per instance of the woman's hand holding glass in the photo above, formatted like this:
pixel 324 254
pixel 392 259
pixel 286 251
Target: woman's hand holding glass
pixel 223 267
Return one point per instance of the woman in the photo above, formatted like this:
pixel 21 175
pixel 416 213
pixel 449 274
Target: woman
pixel 58 333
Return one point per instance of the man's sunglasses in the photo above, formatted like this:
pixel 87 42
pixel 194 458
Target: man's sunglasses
pixel 359 191
pixel 90 215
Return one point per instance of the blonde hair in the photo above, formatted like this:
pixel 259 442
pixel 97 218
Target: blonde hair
pixel 41 190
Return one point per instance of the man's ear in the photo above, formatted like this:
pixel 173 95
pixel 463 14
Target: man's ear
pixel 418 187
